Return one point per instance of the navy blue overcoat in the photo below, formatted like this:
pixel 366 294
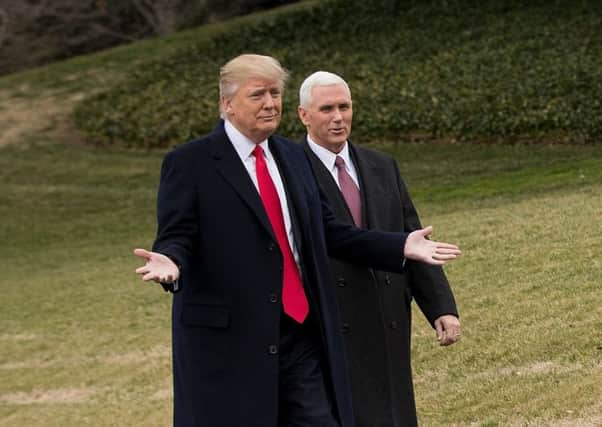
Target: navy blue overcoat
pixel 225 322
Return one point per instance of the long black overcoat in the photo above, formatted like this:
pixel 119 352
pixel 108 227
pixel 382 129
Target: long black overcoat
pixel 225 318
pixel 375 306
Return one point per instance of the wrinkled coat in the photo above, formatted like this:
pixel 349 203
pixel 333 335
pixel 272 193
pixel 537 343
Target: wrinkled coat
pixel 375 306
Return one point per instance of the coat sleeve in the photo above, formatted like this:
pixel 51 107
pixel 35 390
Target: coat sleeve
pixel 177 210
pixel 376 249
pixel 429 285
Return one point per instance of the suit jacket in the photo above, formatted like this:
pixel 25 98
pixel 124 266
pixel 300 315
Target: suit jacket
pixel 226 316
pixel 374 305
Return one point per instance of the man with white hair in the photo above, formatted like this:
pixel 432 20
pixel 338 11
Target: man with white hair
pixel 242 241
pixel 364 188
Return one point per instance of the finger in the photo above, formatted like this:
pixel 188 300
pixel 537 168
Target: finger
pixel 447 250
pixel 444 257
pixel 439 330
pixel 143 253
pixel 449 339
pixel 445 246
pixel 143 270
pixel 454 337
pixel 150 276
pixel 444 341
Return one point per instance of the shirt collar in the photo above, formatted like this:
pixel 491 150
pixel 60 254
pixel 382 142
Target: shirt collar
pixel 242 144
pixel 328 157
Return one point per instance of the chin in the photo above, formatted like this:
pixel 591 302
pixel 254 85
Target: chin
pixel 269 129
pixel 338 141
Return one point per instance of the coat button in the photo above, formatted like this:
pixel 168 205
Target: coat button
pixel 340 282
pixel 273 349
pixel 393 324
pixel 388 279
pixel 345 328
pixel 271 247
pixel 273 298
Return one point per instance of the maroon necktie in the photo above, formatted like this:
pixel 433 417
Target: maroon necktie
pixel 293 295
pixel 351 193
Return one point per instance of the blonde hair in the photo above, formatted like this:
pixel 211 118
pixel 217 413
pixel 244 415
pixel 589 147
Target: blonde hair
pixel 236 71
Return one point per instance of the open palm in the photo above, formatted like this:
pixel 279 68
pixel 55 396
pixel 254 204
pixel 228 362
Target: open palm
pixel 157 267
pixel 419 248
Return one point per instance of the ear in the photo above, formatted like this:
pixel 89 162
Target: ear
pixel 226 105
pixel 303 115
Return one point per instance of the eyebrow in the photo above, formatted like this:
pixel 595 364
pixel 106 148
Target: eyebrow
pixel 264 89
pixel 339 104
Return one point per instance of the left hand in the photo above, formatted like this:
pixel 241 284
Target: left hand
pixel 419 248
pixel 448 329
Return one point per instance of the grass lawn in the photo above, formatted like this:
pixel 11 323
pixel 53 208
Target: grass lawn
pixel 85 342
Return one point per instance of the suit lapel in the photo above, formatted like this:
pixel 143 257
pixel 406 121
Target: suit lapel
pixel 329 186
pixel 232 170
pixel 372 185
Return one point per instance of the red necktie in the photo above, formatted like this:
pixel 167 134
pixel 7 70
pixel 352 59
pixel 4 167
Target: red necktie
pixel 293 295
pixel 351 193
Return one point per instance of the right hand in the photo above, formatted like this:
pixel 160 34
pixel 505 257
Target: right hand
pixel 157 267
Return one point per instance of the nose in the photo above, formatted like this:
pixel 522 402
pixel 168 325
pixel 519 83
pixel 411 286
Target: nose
pixel 337 116
pixel 268 102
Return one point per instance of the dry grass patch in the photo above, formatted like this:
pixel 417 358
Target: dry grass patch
pixel 56 396
pixel 41 117
pixel 136 357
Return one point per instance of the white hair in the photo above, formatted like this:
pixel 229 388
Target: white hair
pixel 319 78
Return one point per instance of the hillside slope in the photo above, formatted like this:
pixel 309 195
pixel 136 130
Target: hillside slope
pixel 465 69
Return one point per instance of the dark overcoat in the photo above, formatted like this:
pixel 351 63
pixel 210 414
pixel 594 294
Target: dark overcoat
pixel 375 305
pixel 225 318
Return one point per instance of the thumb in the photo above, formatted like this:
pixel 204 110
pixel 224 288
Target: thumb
pixel 142 253
pixel 426 231
pixel 439 329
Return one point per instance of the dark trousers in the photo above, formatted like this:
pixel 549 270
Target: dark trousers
pixel 304 400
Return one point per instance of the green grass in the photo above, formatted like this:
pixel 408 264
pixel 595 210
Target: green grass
pixel 85 342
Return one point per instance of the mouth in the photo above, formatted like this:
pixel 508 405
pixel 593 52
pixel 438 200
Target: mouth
pixel 338 131
pixel 268 118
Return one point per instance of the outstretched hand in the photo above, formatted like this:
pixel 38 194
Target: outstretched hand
pixel 157 267
pixel 419 248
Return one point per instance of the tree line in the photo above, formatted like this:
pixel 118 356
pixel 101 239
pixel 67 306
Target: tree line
pixel 35 32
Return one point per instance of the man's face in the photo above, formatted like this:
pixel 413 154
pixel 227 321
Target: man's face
pixel 255 108
pixel 328 118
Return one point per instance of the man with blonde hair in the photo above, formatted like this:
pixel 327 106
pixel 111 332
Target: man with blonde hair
pixel 242 241
pixel 364 187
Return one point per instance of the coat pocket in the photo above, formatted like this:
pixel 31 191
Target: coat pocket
pixel 201 315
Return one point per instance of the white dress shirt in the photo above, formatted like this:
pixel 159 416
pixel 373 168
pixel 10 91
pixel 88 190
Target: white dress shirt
pixel 328 157
pixel 244 147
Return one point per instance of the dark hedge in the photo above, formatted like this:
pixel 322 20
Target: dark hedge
pixel 495 70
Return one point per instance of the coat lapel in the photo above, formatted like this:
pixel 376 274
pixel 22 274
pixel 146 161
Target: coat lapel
pixel 329 187
pixel 293 181
pixel 232 170
pixel 371 177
